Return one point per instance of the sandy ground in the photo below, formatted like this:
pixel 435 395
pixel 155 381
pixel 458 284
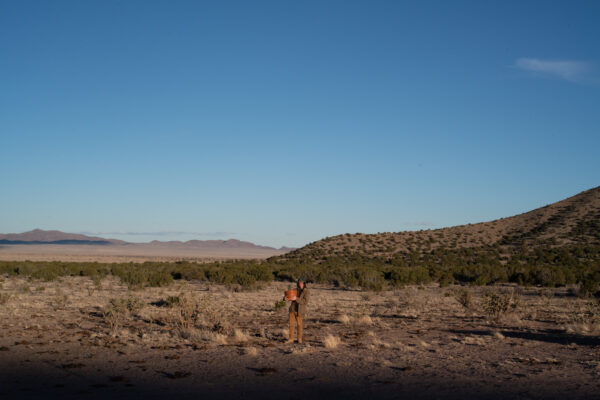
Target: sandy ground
pixel 127 253
pixel 414 343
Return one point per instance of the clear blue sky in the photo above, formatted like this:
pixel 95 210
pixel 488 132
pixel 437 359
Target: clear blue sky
pixel 283 122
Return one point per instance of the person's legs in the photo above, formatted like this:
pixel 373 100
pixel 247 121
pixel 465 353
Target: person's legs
pixel 299 329
pixel 292 327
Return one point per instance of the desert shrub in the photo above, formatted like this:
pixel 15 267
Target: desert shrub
pixel 47 273
pixel 131 304
pixel 119 309
pixel 261 272
pixel 173 301
pixel 193 312
pixel 497 304
pixel 133 277
pixel 589 285
pixel 159 278
pixel 401 276
pixel 279 304
pixel 586 320
pixel 370 279
pixel 543 264
pixel 464 297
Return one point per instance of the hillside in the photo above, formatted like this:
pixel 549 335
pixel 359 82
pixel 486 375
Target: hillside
pixel 573 221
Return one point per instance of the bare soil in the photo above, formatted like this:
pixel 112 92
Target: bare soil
pixel 415 342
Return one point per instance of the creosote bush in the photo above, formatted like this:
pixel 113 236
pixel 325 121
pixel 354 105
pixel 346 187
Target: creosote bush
pixel 543 264
pixel 119 309
pixel 497 304
pixel 189 313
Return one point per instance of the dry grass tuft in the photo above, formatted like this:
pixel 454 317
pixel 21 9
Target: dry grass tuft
pixel 586 321
pixel 472 340
pixel 582 328
pixel 364 320
pixel 498 335
pixel 381 344
pixel 344 319
pixel 240 336
pixel 251 351
pixel 220 339
pixel 331 342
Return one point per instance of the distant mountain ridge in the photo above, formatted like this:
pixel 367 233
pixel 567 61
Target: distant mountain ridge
pixel 39 236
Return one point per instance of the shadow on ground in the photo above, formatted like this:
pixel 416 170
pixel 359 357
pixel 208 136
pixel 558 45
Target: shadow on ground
pixel 40 381
pixel 544 335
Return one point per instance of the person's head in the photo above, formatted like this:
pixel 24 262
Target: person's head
pixel 301 283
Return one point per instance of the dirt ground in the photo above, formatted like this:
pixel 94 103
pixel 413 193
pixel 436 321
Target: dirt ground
pixel 55 342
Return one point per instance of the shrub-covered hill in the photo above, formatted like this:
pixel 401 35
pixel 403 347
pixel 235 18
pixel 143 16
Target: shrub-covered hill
pixel 573 223
pixel 554 245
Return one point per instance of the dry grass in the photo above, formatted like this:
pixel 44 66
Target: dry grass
pixel 474 340
pixel 240 336
pixel 343 319
pixel 363 320
pixel 498 335
pixel 220 339
pixel 331 342
pixel 251 351
pixel 586 319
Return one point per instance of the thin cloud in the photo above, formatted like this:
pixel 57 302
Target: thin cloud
pixel 570 70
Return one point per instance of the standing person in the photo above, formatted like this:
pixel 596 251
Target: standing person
pixel 298 310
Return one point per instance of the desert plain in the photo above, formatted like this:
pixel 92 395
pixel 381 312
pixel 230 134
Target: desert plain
pixel 65 339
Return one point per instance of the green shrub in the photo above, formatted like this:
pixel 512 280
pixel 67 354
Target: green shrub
pixel 173 301
pixel 279 304
pixel 589 285
pixel 497 304
pixel 47 273
pixel 370 279
pixel 159 278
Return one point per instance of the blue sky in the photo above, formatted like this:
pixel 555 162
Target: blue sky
pixel 283 122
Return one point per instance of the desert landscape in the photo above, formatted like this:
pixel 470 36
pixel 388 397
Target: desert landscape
pixel 175 174
pixel 515 317
pixel 76 338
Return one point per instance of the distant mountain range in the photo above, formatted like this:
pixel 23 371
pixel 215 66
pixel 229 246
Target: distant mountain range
pixel 42 237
